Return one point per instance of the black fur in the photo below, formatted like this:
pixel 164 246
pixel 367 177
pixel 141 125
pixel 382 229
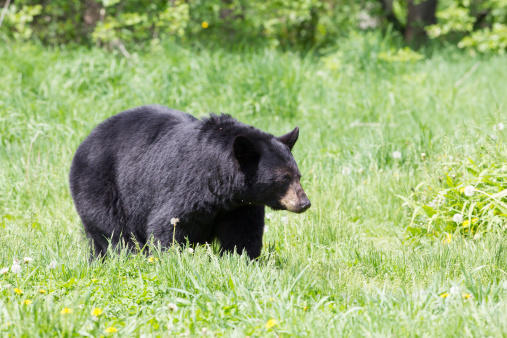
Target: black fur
pixel 139 169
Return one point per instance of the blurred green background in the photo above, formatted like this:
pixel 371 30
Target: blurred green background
pixel 306 25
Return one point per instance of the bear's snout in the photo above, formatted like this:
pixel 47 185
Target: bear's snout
pixel 304 204
pixel 295 198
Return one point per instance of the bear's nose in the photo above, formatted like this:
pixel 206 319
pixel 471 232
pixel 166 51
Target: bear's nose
pixel 305 205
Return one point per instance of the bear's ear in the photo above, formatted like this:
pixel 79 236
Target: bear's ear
pixel 246 154
pixel 290 138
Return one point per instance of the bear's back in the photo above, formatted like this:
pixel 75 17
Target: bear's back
pixel 150 119
pixel 128 135
pixel 138 126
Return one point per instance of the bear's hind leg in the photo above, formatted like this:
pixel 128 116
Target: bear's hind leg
pixel 99 244
pixel 98 204
pixel 241 230
pixel 102 227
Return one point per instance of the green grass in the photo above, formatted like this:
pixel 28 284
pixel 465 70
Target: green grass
pixel 342 268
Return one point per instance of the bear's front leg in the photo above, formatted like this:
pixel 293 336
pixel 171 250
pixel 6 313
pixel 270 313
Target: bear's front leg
pixel 241 229
pixel 163 231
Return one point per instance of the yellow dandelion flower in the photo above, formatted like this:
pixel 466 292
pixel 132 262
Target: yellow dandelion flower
pixel 42 291
pixel 467 222
pixel 111 329
pixel 18 291
pixel 467 296
pixel 94 280
pixel 97 311
pixel 270 323
pixel 27 302
pixel 448 238
pixel 204 24
pixel 444 295
pixel 66 310
pixel 306 308
pixel 151 259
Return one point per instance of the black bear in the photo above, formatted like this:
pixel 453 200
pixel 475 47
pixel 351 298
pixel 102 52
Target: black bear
pixel 156 172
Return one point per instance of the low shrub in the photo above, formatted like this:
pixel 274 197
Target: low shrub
pixel 468 197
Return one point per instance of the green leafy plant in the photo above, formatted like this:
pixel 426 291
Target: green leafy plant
pixel 125 22
pixel 297 23
pixel 477 27
pixel 492 40
pixel 451 19
pixel 20 20
pixel 469 198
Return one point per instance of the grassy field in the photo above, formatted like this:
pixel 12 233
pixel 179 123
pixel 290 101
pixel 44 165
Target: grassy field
pixel 345 267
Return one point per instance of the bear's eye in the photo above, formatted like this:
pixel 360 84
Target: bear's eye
pixel 286 178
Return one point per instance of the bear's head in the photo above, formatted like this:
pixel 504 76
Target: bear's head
pixel 271 173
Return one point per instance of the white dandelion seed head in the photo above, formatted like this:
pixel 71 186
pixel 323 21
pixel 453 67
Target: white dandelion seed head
pixel 172 307
pixel 469 190
pixel 174 220
pixel 27 260
pixel 396 155
pixel 458 218
pixel 53 264
pixel 190 250
pixel 3 271
pixel 500 126
pixel 15 268
pixel 346 171
pixel 438 200
pixel 454 290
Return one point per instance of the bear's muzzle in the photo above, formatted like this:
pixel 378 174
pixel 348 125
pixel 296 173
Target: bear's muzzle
pixel 295 198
